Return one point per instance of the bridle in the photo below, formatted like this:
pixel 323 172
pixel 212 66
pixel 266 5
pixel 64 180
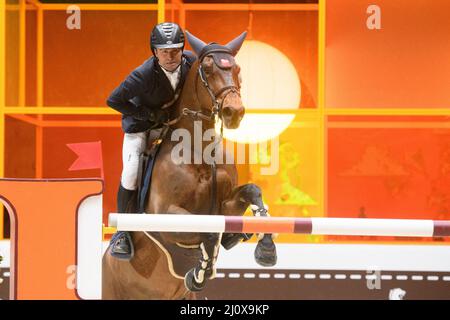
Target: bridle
pixel 225 91
pixel 217 99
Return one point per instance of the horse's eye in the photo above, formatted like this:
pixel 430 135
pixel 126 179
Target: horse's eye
pixel 208 65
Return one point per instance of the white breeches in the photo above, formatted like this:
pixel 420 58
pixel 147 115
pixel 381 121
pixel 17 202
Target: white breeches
pixel 133 146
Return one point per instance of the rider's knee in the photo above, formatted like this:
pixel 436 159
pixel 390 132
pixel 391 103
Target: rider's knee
pixel 129 177
pixel 133 146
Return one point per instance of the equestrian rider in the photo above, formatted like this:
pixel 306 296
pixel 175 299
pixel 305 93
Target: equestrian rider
pixel 140 98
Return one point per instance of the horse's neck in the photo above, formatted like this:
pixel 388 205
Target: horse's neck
pixel 192 97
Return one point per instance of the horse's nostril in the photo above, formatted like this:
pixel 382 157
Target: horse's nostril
pixel 227 111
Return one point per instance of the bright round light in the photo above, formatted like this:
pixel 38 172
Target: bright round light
pixel 269 81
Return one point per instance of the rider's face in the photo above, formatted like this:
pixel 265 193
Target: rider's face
pixel 169 59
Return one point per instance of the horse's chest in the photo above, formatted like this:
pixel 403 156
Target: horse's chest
pixel 201 190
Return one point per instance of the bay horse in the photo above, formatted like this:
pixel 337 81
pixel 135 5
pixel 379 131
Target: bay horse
pixel 176 265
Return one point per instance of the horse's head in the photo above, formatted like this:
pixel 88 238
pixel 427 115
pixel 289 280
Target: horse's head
pixel 220 76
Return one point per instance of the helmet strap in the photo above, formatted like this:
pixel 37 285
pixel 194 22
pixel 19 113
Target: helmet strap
pixel 168 70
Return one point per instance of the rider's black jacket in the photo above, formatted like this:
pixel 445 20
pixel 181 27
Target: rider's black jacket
pixel 147 86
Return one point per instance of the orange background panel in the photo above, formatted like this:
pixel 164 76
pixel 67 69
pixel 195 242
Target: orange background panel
pixel 389 172
pixel 20 146
pixel 37 239
pixel 31 47
pixel 82 67
pixel 12 57
pixel 396 172
pixel 404 65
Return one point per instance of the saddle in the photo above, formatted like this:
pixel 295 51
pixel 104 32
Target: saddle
pixel 180 258
pixel 146 164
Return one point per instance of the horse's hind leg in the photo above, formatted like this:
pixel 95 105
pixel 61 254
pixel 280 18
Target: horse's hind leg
pixel 241 198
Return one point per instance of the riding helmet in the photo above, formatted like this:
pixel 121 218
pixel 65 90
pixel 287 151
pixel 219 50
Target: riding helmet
pixel 166 35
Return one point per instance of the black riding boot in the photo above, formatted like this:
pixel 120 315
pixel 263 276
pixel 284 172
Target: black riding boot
pixel 122 246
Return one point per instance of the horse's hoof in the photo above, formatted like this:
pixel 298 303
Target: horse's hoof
pixel 229 240
pixel 191 284
pixel 266 252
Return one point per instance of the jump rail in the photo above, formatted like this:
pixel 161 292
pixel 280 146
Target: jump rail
pixel 318 226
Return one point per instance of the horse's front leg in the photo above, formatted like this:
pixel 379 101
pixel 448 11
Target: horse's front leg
pixel 209 243
pixel 195 279
pixel 241 198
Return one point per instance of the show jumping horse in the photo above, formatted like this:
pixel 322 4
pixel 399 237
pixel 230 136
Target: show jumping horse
pixel 176 265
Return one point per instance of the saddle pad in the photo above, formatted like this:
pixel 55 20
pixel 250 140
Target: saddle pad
pixel 148 164
pixel 146 181
pixel 180 260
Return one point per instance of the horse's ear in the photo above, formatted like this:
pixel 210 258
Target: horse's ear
pixel 196 44
pixel 235 44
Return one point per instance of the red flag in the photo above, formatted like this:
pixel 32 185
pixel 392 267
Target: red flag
pixel 89 156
